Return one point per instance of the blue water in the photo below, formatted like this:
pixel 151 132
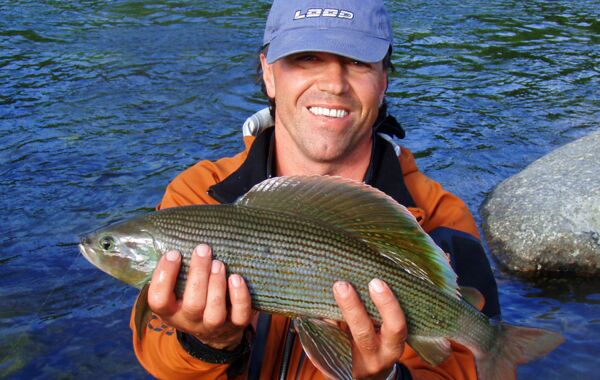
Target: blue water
pixel 103 102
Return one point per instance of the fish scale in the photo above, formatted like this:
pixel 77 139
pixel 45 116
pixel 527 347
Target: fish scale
pixel 234 233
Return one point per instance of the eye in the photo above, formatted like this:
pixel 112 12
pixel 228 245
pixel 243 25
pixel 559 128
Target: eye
pixel 304 57
pixel 360 64
pixel 107 243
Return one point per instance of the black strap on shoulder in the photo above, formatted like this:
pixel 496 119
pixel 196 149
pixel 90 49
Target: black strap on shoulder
pixel 385 172
pixel 258 346
pixel 403 373
pixel 290 339
pixel 300 364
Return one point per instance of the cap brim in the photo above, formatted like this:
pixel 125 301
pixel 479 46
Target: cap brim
pixel 349 44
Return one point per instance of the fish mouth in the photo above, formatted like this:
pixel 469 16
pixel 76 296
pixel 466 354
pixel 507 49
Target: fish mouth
pixel 87 252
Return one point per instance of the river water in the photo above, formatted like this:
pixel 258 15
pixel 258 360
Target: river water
pixel 103 102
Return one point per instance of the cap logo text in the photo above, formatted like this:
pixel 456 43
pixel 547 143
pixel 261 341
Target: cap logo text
pixel 323 12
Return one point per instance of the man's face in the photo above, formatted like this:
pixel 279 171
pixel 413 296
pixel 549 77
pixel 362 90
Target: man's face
pixel 325 104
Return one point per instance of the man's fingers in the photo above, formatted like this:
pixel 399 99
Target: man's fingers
pixel 241 304
pixel 161 297
pixel 194 297
pixel 355 314
pixel 393 328
pixel 215 313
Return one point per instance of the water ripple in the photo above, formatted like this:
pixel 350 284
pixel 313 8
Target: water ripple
pixel 103 102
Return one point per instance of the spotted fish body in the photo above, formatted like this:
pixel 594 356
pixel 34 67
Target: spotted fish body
pixel 290 263
pixel 291 238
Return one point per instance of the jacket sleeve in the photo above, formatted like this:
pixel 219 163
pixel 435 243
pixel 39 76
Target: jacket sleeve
pixel 459 366
pixel 159 351
pixel 191 186
pixel 161 354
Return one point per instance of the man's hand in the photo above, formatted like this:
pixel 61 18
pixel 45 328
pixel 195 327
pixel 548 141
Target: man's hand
pixel 374 352
pixel 203 311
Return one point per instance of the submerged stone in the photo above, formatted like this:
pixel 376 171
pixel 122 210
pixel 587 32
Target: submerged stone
pixel 547 218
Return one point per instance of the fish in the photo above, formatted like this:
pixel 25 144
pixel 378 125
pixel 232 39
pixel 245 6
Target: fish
pixel 292 238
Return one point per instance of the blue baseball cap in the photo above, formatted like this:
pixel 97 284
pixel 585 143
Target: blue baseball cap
pixel 357 29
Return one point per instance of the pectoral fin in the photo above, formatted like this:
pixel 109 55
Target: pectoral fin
pixel 434 350
pixel 142 313
pixel 473 297
pixel 327 346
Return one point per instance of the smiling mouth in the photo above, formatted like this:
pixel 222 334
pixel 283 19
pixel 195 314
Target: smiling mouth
pixel 329 112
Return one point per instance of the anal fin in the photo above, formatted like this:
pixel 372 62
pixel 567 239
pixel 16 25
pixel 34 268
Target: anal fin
pixel 328 347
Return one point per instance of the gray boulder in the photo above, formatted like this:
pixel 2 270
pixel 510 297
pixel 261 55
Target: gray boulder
pixel 547 218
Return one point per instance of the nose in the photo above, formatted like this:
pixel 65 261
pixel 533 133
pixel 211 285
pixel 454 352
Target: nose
pixel 334 78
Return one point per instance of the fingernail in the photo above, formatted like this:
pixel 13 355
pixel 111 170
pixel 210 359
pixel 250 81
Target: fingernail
pixel 377 285
pixel 342 287
pixel 202 250
pixel 172 256
pixel 216 267
pixel 236 281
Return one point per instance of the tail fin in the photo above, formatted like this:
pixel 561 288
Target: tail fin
pixel 515 345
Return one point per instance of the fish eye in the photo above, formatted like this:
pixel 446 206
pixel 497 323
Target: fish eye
pixel 107 243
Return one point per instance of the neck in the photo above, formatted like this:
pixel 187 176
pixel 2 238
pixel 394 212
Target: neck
pixel 353 165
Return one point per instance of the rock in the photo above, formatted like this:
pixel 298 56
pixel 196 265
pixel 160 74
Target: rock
pixel 547 218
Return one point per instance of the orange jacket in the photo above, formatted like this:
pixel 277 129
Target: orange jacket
pixel 162 355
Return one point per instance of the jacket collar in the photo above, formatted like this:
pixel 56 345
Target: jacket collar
pixel 384 171
pixel 252 171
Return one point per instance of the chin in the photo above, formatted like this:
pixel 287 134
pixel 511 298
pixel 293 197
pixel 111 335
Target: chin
pixel 326 156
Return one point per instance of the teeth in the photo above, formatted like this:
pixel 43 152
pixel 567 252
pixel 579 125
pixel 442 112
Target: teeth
pixel 320 111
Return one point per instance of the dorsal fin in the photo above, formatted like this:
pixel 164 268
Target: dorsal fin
pixel 363 212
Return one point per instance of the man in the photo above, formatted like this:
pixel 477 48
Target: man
pixel 324 69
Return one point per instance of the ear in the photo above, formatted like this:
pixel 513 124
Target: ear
pixel 268 77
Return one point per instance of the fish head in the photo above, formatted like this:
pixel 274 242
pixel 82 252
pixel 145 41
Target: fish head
pixel 126 251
